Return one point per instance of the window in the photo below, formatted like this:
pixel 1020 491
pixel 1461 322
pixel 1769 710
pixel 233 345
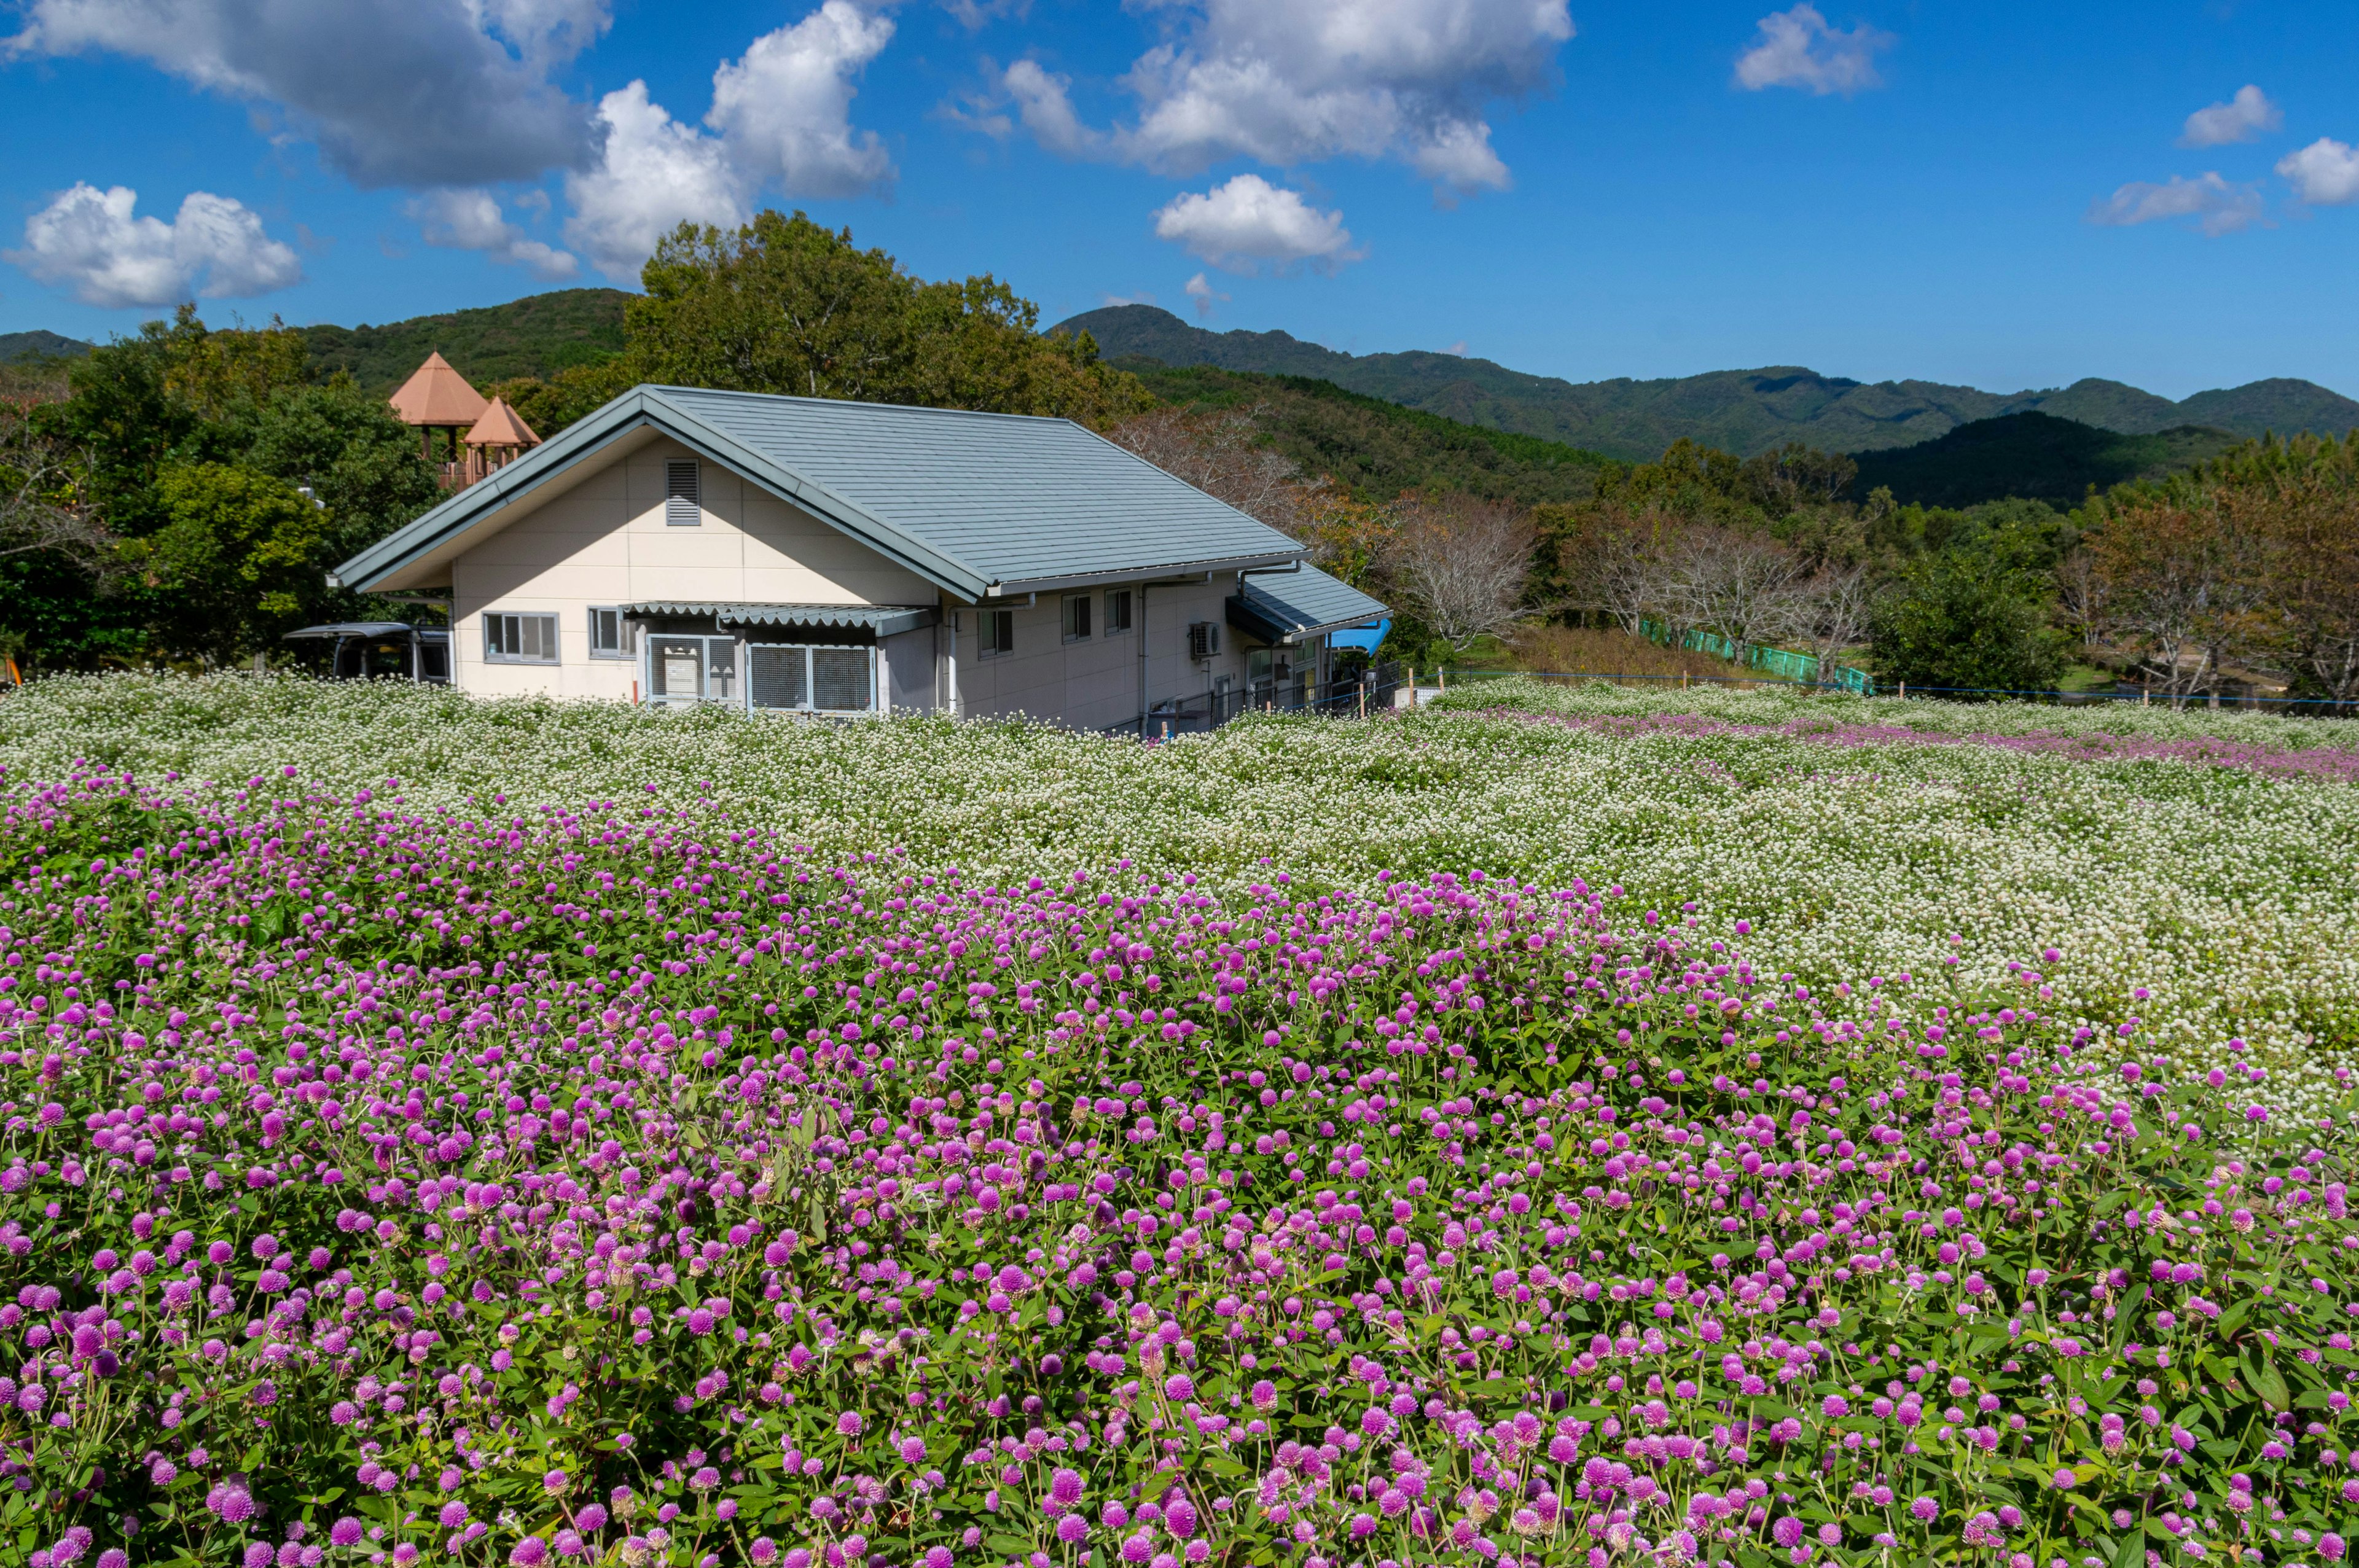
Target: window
pixel 794 679
pixel 994 633
pixel 519 639
pixel 693 669
pixel 1076 617
pixel 611 636
pixel 681 505
pixel 1117 611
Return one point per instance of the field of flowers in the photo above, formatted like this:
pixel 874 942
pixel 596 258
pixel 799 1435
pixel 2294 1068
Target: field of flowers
pixel 517 1133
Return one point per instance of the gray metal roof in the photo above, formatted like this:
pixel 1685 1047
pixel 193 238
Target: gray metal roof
pixel 884 619
pixel 1286 606
pixel 349 629
pixel 975 503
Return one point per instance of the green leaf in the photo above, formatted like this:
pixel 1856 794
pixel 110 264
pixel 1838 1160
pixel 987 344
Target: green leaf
pixel 2261 1374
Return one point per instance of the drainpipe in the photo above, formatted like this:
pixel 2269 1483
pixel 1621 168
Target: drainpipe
pixel 1143 703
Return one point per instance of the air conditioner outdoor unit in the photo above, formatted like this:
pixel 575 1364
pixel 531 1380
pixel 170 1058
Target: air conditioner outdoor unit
pixel 1204 640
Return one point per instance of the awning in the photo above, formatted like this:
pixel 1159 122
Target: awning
pixel 1294 607
pixel 883 620
pixel 352 628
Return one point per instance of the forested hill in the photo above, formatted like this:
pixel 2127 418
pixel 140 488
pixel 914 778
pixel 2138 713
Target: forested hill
pixel 538 335
pixel 1378 449
pixel 2033 455
pixel 1742 411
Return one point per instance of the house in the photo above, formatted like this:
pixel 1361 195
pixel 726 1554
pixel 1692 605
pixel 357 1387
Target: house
pixel 685 546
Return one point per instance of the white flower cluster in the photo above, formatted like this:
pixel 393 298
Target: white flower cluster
pixel 2211 903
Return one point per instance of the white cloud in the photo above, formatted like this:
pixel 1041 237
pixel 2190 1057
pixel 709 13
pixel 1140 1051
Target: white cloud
pixel 1143 296
pixel 781 118
pixel 470 220
pixel 1201 292
pixel 785 109
pixel 2324 174
pixel 653 175
pixel 2241 119
pixel 394 92
pixel 2216 206
pixel 1292 81
pixel 91 241
pixel 976 15
pixel 1798 49
pixel 1247 222
pixel 1044 103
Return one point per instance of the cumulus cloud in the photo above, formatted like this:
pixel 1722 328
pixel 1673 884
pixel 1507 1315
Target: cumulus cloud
pixel 1202 295
pixel 1292 81
pixel 652 175
pixel 2211 202
pixel 2324 174
pixel 393 92
pixel 1798 49
pixel 1249 222
pixel 780 118
pixel 2241 119
pixel 471 219
pixel 785 109
pixel 92 242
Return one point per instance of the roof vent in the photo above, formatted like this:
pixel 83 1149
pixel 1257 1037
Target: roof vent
pixel 681 507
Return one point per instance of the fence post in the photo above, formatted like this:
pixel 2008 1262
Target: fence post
pixel 1683 680
pixel 1412 686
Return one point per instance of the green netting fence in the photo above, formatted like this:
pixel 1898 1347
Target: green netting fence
pixel 1781 664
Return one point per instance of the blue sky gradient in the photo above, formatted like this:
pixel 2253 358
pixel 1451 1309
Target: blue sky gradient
pixel 1661 217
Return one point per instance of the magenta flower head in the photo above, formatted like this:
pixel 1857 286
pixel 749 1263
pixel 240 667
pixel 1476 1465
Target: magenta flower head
pixel 1265 1395
pixel 529 1553
pixel 1176 1387
pixel 700 1321
pixel 912 1450
pixel 1925 1508
pixel 2065 1480
pixel 258 1554
pixel 591 1518
pixel 453 1514
pixel 556 1481
pixel 345 1532
pixel 1065 1487
pixel 1072 1530
pixel 231 1502
pixel 1180 1516
pixel 2330 1546
pixel 848 1424
pixel 938 1557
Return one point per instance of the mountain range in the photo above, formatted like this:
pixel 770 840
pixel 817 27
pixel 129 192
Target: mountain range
pixel 1742 411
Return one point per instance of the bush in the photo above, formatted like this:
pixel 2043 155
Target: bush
pixel 1957 624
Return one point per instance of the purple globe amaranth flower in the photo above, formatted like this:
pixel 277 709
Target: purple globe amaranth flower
pixel 848 1424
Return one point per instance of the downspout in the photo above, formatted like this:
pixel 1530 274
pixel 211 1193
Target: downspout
pixel 1141 662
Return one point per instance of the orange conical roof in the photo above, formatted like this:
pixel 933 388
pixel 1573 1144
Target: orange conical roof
pixel 501 426
pixel 436 395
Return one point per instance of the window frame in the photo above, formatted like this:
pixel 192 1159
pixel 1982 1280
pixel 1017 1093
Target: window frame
pixel 625 646
pixel 683 508
pixel 1129 603
pixel 496 629
pixel 995 634
pixel 1074 617
pixel 809 652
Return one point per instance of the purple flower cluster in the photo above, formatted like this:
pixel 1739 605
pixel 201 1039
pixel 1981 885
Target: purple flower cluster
pixel 618 1186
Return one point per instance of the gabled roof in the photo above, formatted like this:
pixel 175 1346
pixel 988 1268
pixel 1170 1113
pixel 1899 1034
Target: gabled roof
pixel 977 503
pixel 436 395
pixel 501 426
pixel 1288 607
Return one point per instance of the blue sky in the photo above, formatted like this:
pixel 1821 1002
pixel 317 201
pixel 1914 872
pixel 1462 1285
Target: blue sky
pixel 1998 194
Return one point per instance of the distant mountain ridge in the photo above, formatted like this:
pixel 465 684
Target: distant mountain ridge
pixel 17 348
pixel 1743 411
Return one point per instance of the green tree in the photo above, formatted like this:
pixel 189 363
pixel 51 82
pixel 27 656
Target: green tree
pixel 234 562
pixel 784 305
pixel 1958 624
